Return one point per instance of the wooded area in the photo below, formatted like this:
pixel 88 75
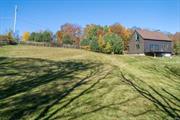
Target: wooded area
pixel 106 39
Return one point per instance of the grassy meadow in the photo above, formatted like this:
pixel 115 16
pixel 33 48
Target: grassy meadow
pixel 40 83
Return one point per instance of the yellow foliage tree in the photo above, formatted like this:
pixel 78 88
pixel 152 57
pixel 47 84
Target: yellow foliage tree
pixel 26 36
pixel 100 41
pixel 108 48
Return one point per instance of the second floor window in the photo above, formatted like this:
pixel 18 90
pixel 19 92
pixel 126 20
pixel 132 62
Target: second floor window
pixel 136 37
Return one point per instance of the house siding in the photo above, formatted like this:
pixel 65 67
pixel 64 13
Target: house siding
pixel 157 46
pixel 132 45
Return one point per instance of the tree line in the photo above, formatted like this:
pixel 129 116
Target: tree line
pixel 106 39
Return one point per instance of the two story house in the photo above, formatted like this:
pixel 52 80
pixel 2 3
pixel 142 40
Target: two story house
pixel 146 42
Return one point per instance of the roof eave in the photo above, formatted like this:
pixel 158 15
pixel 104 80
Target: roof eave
pixel 157 39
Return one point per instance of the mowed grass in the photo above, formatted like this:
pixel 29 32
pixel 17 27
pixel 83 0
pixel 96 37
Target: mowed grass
pixel 57 83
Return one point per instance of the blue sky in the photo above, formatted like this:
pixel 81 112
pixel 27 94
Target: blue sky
pixel 36 15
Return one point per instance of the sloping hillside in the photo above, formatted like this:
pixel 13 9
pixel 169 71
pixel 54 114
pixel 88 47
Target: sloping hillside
pixel 56 83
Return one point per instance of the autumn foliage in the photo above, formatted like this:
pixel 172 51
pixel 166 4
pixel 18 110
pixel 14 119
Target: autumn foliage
pixel 122 32
pixel 106 39
pixel 25 36
pixel 59 35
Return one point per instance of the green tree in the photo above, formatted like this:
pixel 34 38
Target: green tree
pixel 115 41
pixel 46 36
pixel 94 45
pixel 10 36
pixel 85 42
pixel 123 32
pixel 67 40
pixel 32 36
pixel 91 31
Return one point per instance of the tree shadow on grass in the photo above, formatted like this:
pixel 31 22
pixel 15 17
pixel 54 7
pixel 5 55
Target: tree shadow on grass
pixel 110 106
pixel 169 71
pixel 28 85
pixel 168 105
pixel 72 99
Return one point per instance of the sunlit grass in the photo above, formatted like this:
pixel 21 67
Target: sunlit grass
pixel 59 83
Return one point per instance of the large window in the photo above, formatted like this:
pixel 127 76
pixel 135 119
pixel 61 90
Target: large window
pixel 151 47
pixel 157 47
pixel 154 47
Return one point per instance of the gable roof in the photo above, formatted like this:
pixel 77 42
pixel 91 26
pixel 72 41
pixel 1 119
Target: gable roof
pixel 153 35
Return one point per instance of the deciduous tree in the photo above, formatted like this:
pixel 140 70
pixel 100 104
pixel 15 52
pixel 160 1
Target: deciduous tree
pixel 59 35
pixel 72 32
pixel 100 42
pixel 122 32
pixel 26 36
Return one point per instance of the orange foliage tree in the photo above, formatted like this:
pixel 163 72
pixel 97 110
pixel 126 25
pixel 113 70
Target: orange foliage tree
pixel 123 32
pixel 59 38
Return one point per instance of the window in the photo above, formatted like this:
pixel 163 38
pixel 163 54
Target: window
pixel 137 46
pixel 136 37
pixel 151 47
pixel 156 47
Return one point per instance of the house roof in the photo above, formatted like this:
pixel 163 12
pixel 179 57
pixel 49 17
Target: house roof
pixel 153 35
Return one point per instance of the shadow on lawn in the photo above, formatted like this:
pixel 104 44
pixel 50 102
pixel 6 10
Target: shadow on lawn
pixel 169 71
pixel 28 85
pixel 163 100
pixel 86 91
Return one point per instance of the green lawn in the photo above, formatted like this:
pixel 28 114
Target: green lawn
pixel 56 83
